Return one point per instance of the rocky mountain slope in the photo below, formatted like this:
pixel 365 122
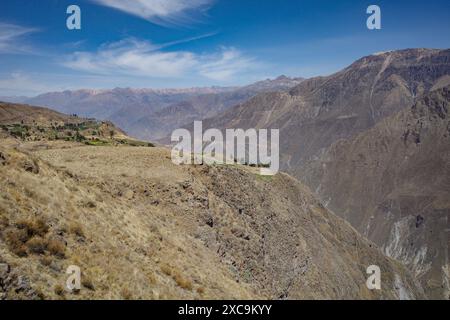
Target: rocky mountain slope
pixel 151 114
pixel 319 111
pixel 392 183
pixel 314 116
pixel 139 226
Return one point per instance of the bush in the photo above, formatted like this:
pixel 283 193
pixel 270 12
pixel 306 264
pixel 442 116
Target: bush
pixel 56 248
pixel 200 290
pixel 177 277
pixel 59 290
pixel 76 228
pixel 126 293
pixel 182 282
pixel 30 236
pixel 33 227
pixel 37 245
pixel 166 269
pixel 87 283
pixel 16 239
pixel 4 222
pixel 46 261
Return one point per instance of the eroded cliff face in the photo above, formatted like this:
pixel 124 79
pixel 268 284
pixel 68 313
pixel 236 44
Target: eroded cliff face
pixel 319 111
pixel 353 138
pixel 139 226
pixel 392 183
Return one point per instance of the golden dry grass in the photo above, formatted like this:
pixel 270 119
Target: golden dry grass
pixel 148 234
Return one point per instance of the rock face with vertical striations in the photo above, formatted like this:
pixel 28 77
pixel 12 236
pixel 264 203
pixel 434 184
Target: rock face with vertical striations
pixel 392 182
pixel 320 121
pixel 322 110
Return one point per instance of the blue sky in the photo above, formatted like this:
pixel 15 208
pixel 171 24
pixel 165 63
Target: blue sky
pixel 188 43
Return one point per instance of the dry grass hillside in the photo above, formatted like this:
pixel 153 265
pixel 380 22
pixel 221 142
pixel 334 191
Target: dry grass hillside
pixel 29 123
pixel 142 228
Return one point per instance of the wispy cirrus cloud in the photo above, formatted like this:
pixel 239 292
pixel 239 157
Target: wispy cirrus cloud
pixel 11 37
pixel 226 64
pixel 162 12
pixel 132 57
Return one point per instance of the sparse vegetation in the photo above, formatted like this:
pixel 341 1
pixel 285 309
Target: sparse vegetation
pixel 46 260
pixel 182 282
pixel 30 236
pixel 126 293
pixel 201 290
pixel 56 248
pixel 87 282
pixel 33 227
pixel 89 133
pixel 59 290
pixel 176 275
pixel 37 245
pixel 16 238
pixel 76 229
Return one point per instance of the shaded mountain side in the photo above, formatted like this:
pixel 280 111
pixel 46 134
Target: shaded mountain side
pixel 123 106
pixel 103 104
pixel 322 110
pixel 392 183
pixel 140 227
pixel 151 114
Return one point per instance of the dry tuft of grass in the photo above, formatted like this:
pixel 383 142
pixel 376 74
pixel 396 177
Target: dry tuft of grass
pixel 16 238
pixel 76 229
pixel 59 290
pixel 201 290
pixel 46 260
pixel 37 245
pixel 87 283
pixel 56 247
pixel 166 269
pixel 30 236
pixel 181 281
pixel 126 293
pixel 33 227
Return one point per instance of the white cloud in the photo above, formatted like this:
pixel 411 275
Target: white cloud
pixel 10 38
pixel 226 65
pixel 135 58
pixel 19 83
pixel 132 57
pixel 163 12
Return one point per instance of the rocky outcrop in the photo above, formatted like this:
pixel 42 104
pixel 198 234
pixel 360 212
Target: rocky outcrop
pixel 15 286
pixel 376 181
pixel 392 183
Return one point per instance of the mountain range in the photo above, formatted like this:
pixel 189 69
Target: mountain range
pixel 151 114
